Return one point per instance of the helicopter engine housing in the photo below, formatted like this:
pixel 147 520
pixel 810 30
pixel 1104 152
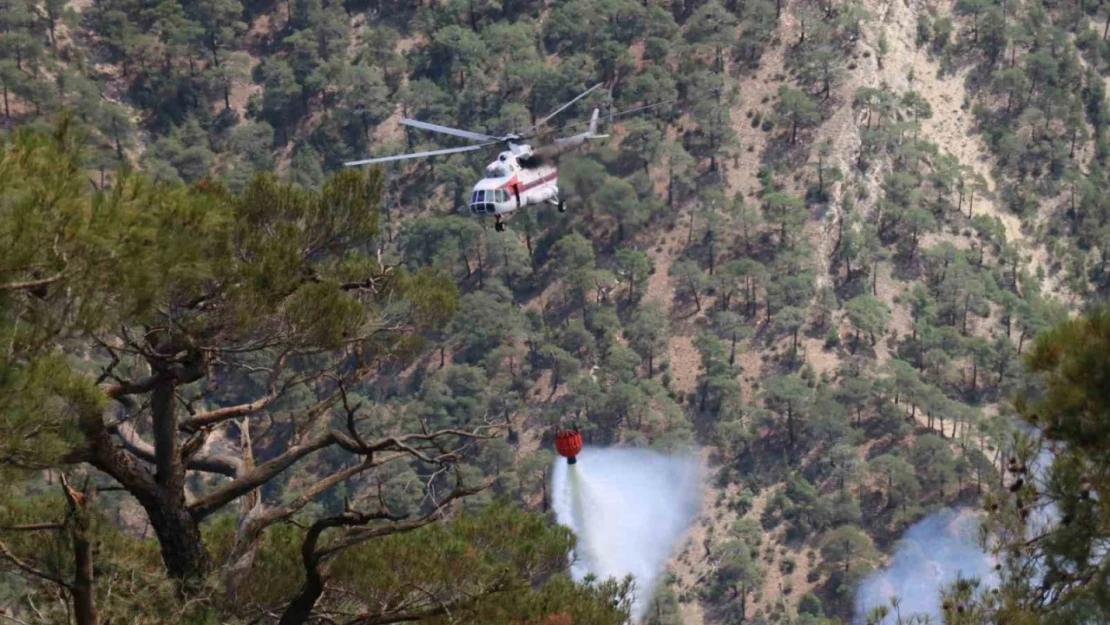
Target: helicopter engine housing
pixel 547 193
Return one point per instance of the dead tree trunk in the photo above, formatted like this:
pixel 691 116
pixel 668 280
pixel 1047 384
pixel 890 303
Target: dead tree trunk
pixel 84 598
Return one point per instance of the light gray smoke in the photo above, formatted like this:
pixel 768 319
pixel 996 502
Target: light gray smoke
pixel 940 547
pixel 628 508
pixel 933 553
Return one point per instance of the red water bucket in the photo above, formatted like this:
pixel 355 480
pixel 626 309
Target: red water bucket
pixel 568 443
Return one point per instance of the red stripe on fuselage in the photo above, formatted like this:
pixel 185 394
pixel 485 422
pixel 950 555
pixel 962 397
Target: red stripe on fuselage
pixel 539 181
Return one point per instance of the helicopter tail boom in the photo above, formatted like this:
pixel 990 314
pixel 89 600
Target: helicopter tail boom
pixel 576 140
pixel 592 133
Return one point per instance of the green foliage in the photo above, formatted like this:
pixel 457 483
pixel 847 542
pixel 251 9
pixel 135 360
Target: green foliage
pixel 846 547
pixel 664 609
pixel 810 604
pixel 934 462
pixel 867 314
pixel 789 397
pixel 796 109
pixel 1067 405
pixel 648 334
pixel 496 565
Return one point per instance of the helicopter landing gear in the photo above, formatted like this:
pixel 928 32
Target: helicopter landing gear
pixel 562 206
pixel 499 225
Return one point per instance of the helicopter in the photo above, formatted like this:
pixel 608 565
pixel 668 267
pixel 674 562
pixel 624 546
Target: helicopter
pixel 521 176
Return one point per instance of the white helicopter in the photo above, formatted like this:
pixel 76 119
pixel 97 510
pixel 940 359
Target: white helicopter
pixel 520 176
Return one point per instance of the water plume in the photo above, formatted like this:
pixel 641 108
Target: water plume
pixel 628 508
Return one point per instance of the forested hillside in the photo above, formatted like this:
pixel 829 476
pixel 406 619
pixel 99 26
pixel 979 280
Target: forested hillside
pixel 245 384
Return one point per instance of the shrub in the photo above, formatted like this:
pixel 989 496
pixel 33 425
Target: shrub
pixel 743 502
pixel 810 604
pixel 924 30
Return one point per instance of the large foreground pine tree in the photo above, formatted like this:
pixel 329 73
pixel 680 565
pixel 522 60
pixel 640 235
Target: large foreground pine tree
pixel 193 348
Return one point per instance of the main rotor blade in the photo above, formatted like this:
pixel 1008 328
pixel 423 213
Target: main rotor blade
pixel 401 157
pixel 466 134
pixel 620 113
pixel 564 107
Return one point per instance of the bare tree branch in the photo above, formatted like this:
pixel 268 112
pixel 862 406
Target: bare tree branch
pixel 13 619
pixel 137 386
pixel 355 537
pixel 280 513
pixel 108 371
pixel 32 527
pixel 244 483
pixel 202 507
pixel 401 443
pixel 351 429
pixel 30 570
pixel 132 442
pixel 405 616
pixel 193 444
pixel 212 417
pixel 217 415
pixel 30 284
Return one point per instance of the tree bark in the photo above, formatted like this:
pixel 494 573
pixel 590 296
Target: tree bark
pixel 238 565
pixel 790 424
pixel 165 433
pixel 162 496
pixel 178 535
pixel 178 532
pixel 300 608
pixel 84 598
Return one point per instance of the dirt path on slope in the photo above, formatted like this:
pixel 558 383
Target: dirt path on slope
pixel 664 250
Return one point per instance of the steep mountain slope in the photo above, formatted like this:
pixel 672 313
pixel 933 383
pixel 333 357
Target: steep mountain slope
pixel 904 67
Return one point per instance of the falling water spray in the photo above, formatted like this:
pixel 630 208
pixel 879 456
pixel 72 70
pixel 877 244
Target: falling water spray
pixel 628 509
